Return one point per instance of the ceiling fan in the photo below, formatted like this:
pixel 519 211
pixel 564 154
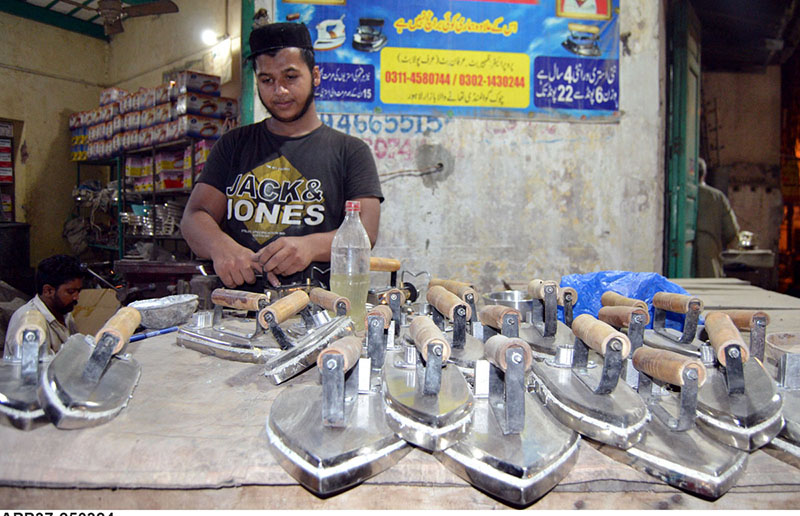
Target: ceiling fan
pixel 112 11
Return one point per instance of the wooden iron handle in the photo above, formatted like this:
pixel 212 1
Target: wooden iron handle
pixel 32 320
pixel 492 315
pixel 382 311
pixel 285 307
pixel 327 299
pixel 423 332
pixel 678 303
pixel 667 366
pixel 397 291
pixel 620 316
pixel 536 288
pixel 384 264
pixel 239 299
pixel 496 346
pixel 567 290
pixel 597 334
pixel 459 288
pixel 745 319
pixel 446 302
pixel 610 298
pixel 723 334
pixel 121 325
pixel 349 347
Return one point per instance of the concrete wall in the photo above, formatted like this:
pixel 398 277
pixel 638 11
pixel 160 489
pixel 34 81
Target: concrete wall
pixel 518 199
pixel 46 74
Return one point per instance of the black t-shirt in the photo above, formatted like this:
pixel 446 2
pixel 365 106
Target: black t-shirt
pixel 280 186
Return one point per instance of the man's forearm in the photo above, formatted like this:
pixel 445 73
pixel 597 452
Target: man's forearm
pixel 204 235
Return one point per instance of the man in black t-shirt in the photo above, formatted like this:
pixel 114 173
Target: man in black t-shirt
pixel 272 194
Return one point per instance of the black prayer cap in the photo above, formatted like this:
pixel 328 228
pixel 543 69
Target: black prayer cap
pixel 275 36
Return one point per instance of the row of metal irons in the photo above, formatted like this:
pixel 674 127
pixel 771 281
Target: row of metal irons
pixel 456 383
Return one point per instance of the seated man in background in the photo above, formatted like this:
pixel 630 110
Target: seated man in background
pixel 59 280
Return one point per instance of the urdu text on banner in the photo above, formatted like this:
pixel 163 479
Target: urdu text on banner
pixel 466 58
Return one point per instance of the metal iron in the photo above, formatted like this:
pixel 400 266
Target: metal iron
pixel 588 397
pixel 674 450
pixel 515 450
pixel 543 331
pixel 429 405
pixel 19 374
pixel 88 382
pixel 334 436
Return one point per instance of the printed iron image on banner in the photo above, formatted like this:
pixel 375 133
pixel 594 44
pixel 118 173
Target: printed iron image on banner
pixel 546 59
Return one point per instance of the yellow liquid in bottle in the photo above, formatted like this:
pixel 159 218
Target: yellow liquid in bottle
pixel 355 289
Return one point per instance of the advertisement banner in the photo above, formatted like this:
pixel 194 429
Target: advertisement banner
pixel 553 59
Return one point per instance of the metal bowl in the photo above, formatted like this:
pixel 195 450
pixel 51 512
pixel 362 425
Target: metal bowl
pixel 160 313
pixel 512 298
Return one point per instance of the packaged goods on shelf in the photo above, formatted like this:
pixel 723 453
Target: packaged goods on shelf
pixel 189 81
pixel 6 170
pixel 143 184
pixel 197 126
pixel 187 174
pixel 162 113
pixel 170 160
pixel 201 150
pixel 129 103
pixel 132 120
pixel 133 166
pixel 162 92
pixel 130 140
pixel 145 137
pixel 147 97
pixel 5 200
pixel 118 124
pixel 159 133
pixel 109 95
pixel 170 180
pixel 171 130
pixel 116 144
pixel 207 105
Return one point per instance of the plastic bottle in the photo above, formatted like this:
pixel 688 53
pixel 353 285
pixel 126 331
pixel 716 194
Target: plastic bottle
pixel 350 252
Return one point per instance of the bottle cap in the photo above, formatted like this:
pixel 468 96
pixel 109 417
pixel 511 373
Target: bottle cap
pixel 352 206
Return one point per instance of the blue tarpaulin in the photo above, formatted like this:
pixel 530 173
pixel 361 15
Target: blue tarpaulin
pixel 636 285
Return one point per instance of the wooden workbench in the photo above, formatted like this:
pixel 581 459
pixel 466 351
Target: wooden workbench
pixel 193 436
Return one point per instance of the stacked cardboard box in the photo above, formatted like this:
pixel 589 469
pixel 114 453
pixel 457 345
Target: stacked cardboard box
pixel 124 121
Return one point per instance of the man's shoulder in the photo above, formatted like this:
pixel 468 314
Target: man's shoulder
pixel 338 137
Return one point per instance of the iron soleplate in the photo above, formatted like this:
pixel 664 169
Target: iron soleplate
pixel 432 422
pixel 618 419
pixel 517 468
pixel 18 401
pixel 328 460
pixel 745 421
pixel 288 364
pixel 63 394
pixel 230 345
pixel 532 334
pixel 689 460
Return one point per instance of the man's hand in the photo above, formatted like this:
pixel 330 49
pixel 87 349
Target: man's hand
pixel 286 255
pixel 236 266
